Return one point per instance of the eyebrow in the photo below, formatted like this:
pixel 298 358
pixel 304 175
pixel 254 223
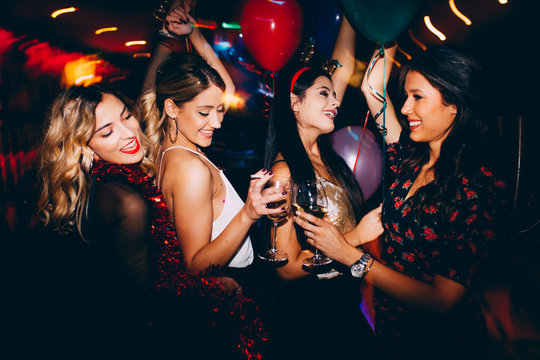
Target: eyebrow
pixel 104 126
pixel 328 89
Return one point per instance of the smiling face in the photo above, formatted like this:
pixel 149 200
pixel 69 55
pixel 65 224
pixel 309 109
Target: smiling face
pixel 117 137
pixel 198 118
pixel 318 108
pixel 429 117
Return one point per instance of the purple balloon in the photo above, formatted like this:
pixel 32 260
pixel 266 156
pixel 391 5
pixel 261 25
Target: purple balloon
pixel 368 172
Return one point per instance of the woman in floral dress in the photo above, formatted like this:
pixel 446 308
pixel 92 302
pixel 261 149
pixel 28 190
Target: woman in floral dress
pixel 439 213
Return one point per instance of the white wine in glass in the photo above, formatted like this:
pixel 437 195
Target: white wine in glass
pixel 309 197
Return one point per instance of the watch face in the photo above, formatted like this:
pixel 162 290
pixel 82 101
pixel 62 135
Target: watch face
pixel 357 270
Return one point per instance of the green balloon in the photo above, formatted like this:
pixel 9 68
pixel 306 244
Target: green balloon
pixel 381 21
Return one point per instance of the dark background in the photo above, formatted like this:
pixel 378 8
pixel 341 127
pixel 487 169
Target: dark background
pixel 37 268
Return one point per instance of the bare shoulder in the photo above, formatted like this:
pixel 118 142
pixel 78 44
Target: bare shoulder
pixel 280 167
pixel 185 168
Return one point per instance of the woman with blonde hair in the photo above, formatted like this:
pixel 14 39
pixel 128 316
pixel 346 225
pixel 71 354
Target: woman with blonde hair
pixel 97 181
pixel 181 112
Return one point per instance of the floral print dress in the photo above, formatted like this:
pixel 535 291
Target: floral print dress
pixel 425 244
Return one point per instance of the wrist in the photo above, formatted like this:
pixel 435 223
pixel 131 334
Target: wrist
pixel 351 256
pixel 245 217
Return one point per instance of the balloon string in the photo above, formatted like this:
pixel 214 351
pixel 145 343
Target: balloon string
pixel 360 142
pixel 382 98
pixel 266 102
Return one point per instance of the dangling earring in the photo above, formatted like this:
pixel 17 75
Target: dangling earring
pixel 175 132
pixel 92 161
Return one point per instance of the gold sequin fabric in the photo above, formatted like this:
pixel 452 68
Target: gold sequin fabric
pixel 340 211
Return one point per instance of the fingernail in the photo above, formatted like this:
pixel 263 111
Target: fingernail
pixel 270 173
pixel 264 170
pixel 283 208
pixel 284 193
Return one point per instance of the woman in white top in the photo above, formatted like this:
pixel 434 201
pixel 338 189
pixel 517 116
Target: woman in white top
pixel 181 112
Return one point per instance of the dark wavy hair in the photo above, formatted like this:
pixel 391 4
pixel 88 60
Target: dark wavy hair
pixel 283 137
pixel 457 76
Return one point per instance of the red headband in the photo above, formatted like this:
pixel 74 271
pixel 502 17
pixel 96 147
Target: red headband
pixel 297 75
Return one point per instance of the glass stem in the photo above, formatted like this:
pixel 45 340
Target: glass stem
pixel 274 230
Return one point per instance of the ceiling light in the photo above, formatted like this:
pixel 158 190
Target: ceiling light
pixel 458 13
pixel 230 25
pixel 136 42
pixel 416 41
pixel 63 11
pixel 433 29
pixel 141 55
pixel 102 30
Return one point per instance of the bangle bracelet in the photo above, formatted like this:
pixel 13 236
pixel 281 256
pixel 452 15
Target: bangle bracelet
pixel 164 33
pixel 368 268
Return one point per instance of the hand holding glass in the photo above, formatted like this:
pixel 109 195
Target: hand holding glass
pixel 309 197
pixel 278 184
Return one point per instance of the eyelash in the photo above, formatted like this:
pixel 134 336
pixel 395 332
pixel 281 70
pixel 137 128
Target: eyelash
pixel 324 93
pixel 129 116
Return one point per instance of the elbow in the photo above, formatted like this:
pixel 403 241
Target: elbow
pixel 364 87
pixel 444 305
pixel 287 274
pixel 192 269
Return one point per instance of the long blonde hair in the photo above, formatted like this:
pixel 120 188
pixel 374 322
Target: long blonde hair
pixel 180 78
pixel 65 159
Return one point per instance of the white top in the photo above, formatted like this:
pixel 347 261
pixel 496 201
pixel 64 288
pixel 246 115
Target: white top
pixel 232 205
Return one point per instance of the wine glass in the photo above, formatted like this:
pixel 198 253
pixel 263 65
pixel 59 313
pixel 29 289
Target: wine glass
pixel 278 184
pixel 309 197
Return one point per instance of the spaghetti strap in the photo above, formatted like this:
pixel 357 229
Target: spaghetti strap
pixel 179 147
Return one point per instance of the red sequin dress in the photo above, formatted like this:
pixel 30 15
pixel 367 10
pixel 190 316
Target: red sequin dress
pixel 235 316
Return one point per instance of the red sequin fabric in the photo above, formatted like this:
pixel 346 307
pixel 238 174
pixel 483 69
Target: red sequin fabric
pixel 231 311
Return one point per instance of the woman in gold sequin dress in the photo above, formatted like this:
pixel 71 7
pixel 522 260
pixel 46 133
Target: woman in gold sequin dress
pixel 317 313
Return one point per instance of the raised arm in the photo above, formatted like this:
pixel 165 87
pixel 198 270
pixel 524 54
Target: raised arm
pixel 206 51
pixel 177 23
pixel 344 52
pixel 375 81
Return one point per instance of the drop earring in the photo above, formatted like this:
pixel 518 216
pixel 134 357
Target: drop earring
pixel 175 132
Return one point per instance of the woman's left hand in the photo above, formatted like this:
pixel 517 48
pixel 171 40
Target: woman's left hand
pixel 324 235
pixel 179 22
pixel 227 284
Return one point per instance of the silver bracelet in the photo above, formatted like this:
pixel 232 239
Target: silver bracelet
pixel 166 34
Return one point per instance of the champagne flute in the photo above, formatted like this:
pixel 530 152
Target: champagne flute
pixel 278 184
pixel 310 197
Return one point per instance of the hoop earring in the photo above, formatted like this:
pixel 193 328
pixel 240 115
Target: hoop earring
pixel 175 132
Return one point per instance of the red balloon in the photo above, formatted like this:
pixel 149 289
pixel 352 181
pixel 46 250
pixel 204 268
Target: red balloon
pixel 272 31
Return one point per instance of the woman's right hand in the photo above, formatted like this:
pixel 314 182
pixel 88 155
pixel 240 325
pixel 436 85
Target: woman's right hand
pixel 255 206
